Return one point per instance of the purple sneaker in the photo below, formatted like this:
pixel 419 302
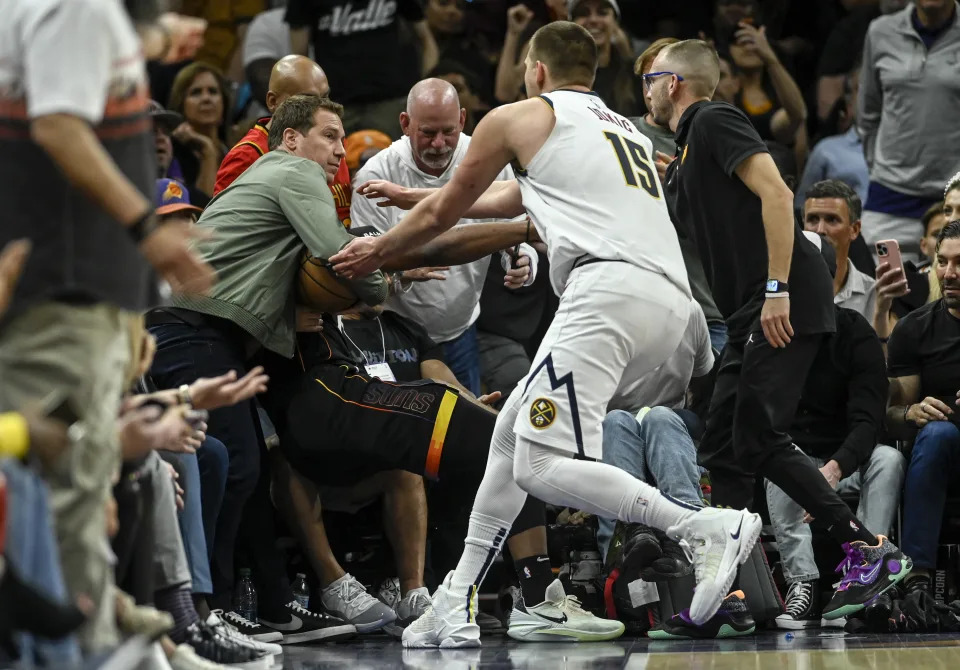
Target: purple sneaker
pixel 868 572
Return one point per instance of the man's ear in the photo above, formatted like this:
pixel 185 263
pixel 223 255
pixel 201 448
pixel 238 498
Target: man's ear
pixel 856 230
pixel 405 123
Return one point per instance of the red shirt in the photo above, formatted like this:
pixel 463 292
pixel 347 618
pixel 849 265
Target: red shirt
pixel 253 145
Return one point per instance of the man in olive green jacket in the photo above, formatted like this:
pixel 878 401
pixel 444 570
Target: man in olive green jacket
pixel 257 229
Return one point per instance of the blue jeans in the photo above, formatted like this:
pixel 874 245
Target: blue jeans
pixel 463 358
pixel 32 551
pixel 718 335
pixel 657 450
pixel 203 495
pixel 184 353
pixel 934 463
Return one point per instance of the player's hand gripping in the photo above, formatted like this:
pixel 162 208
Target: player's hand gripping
pixel 360 257
pixel 775 321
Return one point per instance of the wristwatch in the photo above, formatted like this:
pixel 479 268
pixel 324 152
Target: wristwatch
pixel 777 286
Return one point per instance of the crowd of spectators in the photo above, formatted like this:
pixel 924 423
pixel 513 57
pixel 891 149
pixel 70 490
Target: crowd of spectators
pixel 162 424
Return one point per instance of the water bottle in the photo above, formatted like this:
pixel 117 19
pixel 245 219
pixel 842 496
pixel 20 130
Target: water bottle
pixel 301 592
pixel 245 597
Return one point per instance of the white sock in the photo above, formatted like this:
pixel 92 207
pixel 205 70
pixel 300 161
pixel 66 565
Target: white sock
pixel 485 538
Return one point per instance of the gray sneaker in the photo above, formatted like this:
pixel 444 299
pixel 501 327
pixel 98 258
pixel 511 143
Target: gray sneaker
pixel 347 599
pixel 408 610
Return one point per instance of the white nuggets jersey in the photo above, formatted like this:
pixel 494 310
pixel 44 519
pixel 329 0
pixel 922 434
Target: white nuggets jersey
pixel 592 192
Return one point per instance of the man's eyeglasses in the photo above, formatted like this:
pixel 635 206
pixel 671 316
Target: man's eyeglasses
pixel 648 78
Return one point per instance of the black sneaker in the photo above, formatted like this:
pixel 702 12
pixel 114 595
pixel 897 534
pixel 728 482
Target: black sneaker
pixel 880 615
pixel 802 607
pixel 640 549
pixel 255 631
pixel 210 645
pixel 307 626
pixel 672 565
pixel 868 572
pixel 733 619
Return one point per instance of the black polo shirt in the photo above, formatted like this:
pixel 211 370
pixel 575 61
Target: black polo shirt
pixel 709 203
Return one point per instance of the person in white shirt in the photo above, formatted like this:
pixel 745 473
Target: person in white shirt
pixel 426 157
pixel 832 210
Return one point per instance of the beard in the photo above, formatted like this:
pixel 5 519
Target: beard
pixel 661 112
pixel 437 160
pixel 952 301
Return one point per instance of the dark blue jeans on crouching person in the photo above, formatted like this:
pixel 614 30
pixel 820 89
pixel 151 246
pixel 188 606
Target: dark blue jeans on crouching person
pixel 209 347
pixel 934 466
pixel 462 355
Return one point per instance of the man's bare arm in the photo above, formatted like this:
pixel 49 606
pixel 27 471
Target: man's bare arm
pixel 761 176
pixel 463 244
pixel 73 146
pixel 501 200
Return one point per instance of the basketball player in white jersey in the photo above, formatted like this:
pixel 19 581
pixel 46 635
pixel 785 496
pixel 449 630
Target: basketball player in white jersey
pixel 586 178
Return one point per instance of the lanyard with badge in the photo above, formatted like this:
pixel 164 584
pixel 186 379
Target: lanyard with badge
pixel 379 370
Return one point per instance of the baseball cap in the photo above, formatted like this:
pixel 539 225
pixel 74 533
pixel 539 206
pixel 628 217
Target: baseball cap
pixel 164 116
pixel 572 5
pixel 172 196
pixel 357 143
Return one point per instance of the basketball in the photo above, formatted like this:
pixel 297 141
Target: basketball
pixel 319 288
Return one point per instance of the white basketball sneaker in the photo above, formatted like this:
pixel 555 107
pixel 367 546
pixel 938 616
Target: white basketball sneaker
pixel 716 541
pixel 559 618
pixel 449 622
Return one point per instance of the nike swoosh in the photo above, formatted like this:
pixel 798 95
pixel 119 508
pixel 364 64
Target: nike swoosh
pixel 562 619
pixel 736 536
pixel 870 576
pixel 542 560
pixel 294 625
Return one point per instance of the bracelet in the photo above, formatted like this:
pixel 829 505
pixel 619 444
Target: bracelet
pixel 183 395
pixel 143 227
pixel 527 237
pixel 779 294
pixel 906 410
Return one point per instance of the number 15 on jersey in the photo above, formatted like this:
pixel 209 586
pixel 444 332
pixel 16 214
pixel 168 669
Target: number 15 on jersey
pixel 638 170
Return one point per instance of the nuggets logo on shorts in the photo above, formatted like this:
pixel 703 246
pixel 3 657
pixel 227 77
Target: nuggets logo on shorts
pixel 542 413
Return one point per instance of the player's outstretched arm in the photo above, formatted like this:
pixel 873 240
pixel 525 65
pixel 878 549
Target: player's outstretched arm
pixel 487 156
pixel 464 244
pixel 501 200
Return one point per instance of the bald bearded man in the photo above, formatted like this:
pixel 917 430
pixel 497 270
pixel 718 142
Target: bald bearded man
pixel 291 75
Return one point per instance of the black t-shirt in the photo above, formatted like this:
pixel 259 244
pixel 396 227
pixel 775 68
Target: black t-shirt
pixel 845 44
pixel 709 202
pixel 926 342
pixel 359 47
pixel 404 345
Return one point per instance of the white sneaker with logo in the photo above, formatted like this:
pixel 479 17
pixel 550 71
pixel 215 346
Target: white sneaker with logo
pixel 448 623
pixel 307 626
pixel 716 541
pixel 347 599
pixel 559 618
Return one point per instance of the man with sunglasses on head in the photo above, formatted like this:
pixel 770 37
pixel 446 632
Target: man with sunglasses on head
pixel 776 294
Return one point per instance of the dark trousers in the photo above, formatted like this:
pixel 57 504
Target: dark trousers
pixel 212 348
pixel 754 402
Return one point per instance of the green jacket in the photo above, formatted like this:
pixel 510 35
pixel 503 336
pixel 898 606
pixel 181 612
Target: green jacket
pixel 258 228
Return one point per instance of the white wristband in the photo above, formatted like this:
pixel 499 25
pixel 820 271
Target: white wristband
pixel 781 294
